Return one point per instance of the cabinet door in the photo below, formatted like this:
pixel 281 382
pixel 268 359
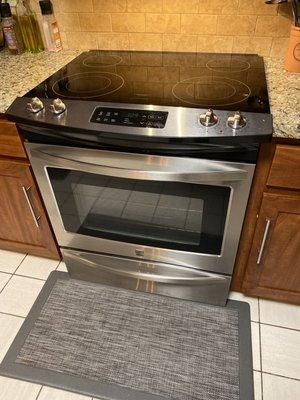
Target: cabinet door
pixel 23 223
pixel 273 269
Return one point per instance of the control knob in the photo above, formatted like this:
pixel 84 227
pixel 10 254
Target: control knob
pixel 208 119
pixel 236 121
pixel 35 105
pixel 57 107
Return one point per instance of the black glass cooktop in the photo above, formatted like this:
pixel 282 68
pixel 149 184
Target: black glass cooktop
pixel 203 80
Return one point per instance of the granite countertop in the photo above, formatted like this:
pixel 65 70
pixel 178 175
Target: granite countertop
pixel 21 73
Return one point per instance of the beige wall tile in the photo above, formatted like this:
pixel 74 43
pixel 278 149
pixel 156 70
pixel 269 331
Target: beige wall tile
pixel 236 25
pixel 109 5
pixel 95 22
pixel 201 24
pixel 163 23
pixel 218 6
pixel 145 41
pixel 113 41
pixel 68 22
pixel 64 40
pixel 84 40
pixel 222 44
pixel 179 42
pixel 76 6
pixel 246 44
pixel 279 47
pixel 278 26
pixel 180 6
pixel 128 22
pixel 257 7
pixel 144 6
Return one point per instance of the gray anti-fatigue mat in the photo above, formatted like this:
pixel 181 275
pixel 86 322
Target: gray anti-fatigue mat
pixel 114 343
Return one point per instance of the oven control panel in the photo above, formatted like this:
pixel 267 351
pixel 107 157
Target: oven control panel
pixel 127 117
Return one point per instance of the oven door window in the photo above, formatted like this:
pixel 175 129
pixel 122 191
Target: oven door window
pixel 181 216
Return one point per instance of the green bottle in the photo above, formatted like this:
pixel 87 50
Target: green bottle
pixel 29 27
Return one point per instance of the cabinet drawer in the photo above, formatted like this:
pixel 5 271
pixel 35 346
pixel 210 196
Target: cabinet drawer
pixel 285 169
pixel 10 142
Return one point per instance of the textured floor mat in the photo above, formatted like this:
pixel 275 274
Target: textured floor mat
pixel 132 344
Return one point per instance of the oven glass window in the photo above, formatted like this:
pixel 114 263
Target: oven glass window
pixel 173 215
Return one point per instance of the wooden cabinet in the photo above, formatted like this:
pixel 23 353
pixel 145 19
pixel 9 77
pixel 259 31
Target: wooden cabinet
pixel 24 224
pixel 273 269
pixel 268 260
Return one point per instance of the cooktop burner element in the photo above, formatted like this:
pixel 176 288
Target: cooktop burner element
pixel 220 81
pixel 211 91
pixel 102 60
pixel 88 85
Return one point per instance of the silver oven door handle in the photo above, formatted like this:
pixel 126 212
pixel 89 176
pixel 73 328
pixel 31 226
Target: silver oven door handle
pixel 36 219
pixel 202 277
pixel 137 166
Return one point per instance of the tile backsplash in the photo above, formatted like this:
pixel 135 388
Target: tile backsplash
pixel 174 25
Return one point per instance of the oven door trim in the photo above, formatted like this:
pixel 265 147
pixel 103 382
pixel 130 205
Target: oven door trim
pixel 237 176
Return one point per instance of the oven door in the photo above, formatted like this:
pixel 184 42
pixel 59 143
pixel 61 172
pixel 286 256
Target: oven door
pixel 179 211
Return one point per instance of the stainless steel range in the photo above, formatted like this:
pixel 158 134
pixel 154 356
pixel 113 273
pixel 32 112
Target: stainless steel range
pixel 145 163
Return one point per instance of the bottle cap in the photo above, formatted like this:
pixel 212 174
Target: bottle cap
pixel 46 7
pixel 5 10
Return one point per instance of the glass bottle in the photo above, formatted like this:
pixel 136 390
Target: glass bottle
pixel 50 27
pixel 29 27
pixel 12 33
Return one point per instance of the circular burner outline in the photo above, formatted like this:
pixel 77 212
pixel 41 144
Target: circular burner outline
pixel 219 69
pixel 211 77
pixel 220 98
pixel 88 91
pixel 89 74
pixel 118 58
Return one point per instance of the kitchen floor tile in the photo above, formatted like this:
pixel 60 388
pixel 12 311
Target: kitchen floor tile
pixel 4 278
pixel 257 385
pixel 253 302
pixel 9 327
pixel 62 267
pixel 278 388
pixel 280 351
pixel 19 295
pixel 9 261
pixel 36 267
pixel 280 314
pixel 13 389
pixel 48 393
pixel 255 346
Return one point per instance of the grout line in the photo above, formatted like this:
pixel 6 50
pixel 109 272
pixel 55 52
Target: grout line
pixel 12 315
pixel 12 274
pixel 6 284
pixel 283 327
pixel 282 376
pixel 38 395
pixel 32 277
pixel 260 351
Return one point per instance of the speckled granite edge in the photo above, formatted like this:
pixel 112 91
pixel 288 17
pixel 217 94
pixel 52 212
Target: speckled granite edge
pixel 284 94
pixel 19 74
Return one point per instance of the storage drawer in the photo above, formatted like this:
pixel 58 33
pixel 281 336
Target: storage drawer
pixel 10 142
pixel 285 169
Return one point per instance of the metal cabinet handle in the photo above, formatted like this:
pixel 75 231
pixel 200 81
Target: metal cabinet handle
pixel 35 218
pixel 264 239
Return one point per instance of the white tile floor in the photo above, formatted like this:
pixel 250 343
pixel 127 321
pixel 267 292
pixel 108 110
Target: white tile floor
pixel 275 333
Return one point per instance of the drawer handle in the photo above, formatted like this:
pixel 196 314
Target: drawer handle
pixel 264 239
pixel 26 194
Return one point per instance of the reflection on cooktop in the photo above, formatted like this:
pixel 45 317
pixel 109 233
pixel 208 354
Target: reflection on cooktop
pixel 221 81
